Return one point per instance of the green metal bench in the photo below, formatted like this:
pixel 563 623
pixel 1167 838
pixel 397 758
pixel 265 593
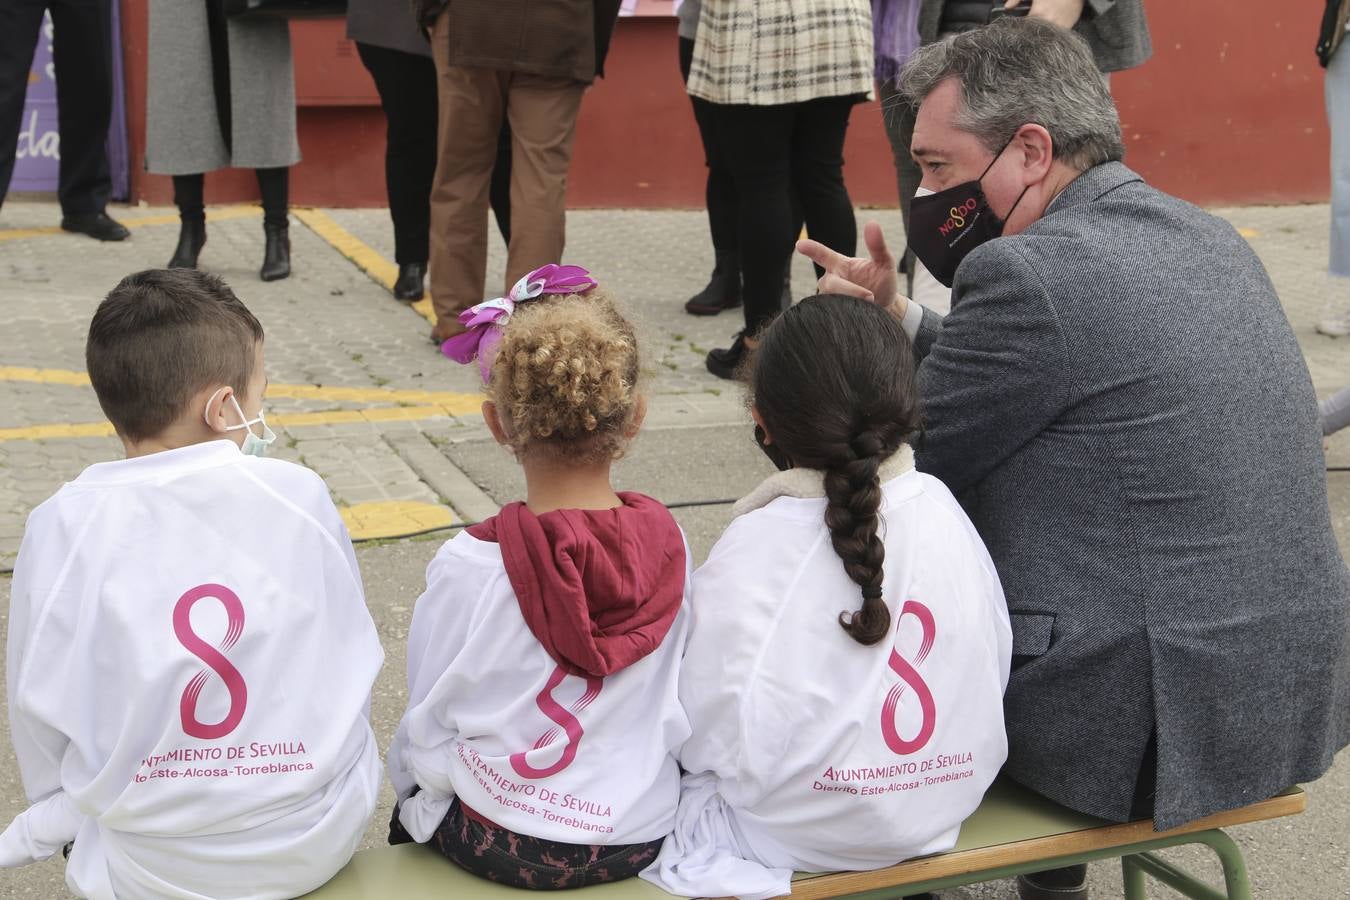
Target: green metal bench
pixel 1013 832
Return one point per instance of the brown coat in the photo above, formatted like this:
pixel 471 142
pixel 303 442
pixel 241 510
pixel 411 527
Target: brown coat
pixel 557 38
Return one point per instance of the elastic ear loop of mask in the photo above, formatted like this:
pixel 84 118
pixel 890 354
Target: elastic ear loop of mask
pixel 980 180
pixel 242 418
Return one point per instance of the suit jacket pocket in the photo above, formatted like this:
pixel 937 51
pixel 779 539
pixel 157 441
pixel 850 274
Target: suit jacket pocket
pixel 1031 634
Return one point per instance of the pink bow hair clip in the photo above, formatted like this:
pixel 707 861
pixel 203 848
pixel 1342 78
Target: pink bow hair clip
pixel 486 320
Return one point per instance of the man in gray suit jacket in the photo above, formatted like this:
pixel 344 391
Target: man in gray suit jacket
pixel 1121 405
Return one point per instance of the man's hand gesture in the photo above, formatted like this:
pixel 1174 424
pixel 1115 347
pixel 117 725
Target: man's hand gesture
pixel 871 279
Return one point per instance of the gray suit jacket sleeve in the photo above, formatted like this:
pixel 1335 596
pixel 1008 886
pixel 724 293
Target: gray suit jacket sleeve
pixel 992 373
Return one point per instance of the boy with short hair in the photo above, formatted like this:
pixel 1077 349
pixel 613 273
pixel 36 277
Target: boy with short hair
pixel 190 655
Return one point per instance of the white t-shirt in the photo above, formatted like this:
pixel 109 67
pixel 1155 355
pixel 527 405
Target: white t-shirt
pixel 493 720
pixel 189 671
pixel 809 750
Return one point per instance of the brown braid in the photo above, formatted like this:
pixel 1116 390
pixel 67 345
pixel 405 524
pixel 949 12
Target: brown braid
pixel 853 494
pixel 833 380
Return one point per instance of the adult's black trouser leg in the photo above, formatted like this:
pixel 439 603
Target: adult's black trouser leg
pixel 82 55
pixel 20 21
pixel 818 172
pixel 720 190
pixel 499 188
pixel 756 143
pixel 188 191
pixel 274 185
pixel 407 86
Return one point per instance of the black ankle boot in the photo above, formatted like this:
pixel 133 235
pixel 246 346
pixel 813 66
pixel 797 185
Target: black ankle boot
pixel 277 253
pixel 1068 883
pixel 727 363
pixel 410 283
pixel 723 290
pixel 191 239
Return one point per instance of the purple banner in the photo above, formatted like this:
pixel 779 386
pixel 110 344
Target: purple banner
pixel 38 160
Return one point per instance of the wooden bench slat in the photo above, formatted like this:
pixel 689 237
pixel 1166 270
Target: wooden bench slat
pixel 418 872
pixel 1012 825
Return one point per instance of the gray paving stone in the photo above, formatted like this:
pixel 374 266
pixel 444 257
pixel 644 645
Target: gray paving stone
pixel 330 325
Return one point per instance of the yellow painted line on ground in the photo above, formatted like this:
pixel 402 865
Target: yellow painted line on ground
pixel 468 402
pixel 1249 233
pixel 394 518
pixel 284 420
pixel 361 254
pixel 48 432
pixel 376 414
pixel 218 215
pixel 450 402
pixel 44 376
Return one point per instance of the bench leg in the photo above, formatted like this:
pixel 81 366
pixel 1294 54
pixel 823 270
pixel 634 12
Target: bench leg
pixel 1136 867
pixel 1136 881
pixel 1234 866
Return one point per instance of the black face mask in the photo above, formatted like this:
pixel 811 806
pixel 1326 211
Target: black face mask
pixel 776 456
pixel 945 226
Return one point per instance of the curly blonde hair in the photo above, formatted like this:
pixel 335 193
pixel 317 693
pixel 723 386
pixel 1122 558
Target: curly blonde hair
pixel 565 377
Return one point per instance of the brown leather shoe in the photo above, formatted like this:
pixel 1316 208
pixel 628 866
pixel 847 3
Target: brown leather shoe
pixel 446 329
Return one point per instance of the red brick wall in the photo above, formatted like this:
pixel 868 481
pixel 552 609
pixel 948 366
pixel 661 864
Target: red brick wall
pixel 1228 111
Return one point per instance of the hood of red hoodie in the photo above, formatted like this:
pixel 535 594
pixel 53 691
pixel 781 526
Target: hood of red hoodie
pixel 599 588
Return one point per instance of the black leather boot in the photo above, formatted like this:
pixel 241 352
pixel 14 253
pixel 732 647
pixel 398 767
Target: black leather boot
pixel 191 239
pixel 99 226
pixel 723 290
pixel 410 284
pixel 277 253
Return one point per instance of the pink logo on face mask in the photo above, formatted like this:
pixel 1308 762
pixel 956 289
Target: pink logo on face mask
pixel 565 719
pixel 909 676
pixel 215 661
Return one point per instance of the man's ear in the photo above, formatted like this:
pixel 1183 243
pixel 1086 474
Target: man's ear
pixel 1038 152
pixel 494 423
pixel 217 405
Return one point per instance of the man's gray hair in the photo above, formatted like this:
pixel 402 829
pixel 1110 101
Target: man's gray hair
pixel 1023 71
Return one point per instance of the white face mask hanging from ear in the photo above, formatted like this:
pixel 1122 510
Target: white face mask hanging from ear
pixel 254 444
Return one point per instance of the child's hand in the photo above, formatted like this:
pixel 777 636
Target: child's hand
pixel 871 279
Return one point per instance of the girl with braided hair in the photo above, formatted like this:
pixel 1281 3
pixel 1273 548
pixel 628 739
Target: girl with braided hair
pixel 845 671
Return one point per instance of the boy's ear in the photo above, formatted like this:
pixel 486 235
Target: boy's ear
pixel 638 417
pixel 217 403
pixel 494 423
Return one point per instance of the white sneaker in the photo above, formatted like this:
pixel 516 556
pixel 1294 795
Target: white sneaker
pixel 1333 324
pixel 1335 318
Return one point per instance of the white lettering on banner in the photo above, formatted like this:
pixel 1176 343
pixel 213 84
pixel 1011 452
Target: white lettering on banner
pixel 31 144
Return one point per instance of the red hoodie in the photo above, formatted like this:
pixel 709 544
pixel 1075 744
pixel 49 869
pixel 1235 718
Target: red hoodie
pixel 599 588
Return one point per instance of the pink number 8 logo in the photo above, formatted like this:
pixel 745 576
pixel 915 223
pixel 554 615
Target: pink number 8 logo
pixel 909 676
pixel 215 661
pixel 564 718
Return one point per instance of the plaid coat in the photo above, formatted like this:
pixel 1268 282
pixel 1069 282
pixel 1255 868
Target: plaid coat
pixel 772 52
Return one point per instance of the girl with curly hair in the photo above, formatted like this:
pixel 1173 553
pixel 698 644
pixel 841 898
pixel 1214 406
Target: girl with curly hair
pixel 538 747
